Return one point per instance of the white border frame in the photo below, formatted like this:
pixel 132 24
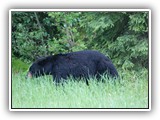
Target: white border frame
pixel 94 10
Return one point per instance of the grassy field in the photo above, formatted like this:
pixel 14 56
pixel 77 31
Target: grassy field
pixel 129 92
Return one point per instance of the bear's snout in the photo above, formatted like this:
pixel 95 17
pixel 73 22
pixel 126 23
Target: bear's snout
pixel 29 75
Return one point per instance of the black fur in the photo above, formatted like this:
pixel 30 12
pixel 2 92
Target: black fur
pixel 81 64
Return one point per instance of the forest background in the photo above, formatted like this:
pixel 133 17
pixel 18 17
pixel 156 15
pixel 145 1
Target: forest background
pixel 123 36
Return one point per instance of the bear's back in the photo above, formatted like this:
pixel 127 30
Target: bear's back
pixel 79 56
pixel 87 54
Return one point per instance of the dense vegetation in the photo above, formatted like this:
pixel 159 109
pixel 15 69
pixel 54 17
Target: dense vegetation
pixel 123 36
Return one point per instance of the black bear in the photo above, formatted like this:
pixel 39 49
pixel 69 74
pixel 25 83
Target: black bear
pixel 81 64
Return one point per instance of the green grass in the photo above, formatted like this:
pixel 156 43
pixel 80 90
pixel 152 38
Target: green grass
pixel 130 92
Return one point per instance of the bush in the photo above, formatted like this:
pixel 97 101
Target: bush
pixel 18 65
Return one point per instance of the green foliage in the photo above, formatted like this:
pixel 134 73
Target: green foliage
pixel 123 36
pixel 139 22
pixel 27 38
pixel 130 52
pixel 67 23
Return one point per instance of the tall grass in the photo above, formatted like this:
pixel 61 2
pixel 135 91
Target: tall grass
pixel 129 92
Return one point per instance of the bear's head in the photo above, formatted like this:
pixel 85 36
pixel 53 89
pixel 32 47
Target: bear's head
pixel 40 67
pixel 35 70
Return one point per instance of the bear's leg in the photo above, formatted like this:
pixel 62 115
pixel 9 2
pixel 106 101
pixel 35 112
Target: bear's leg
pixel 111 69
pixel 86 80
pixel 104 66
pixel 59 79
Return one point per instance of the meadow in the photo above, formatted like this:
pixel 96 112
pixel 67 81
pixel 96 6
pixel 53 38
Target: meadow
pixel 129 91
pixel 123 36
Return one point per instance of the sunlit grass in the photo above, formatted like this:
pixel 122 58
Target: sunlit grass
pixel 129 92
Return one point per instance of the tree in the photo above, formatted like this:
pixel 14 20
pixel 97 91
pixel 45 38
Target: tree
pixel 123 36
